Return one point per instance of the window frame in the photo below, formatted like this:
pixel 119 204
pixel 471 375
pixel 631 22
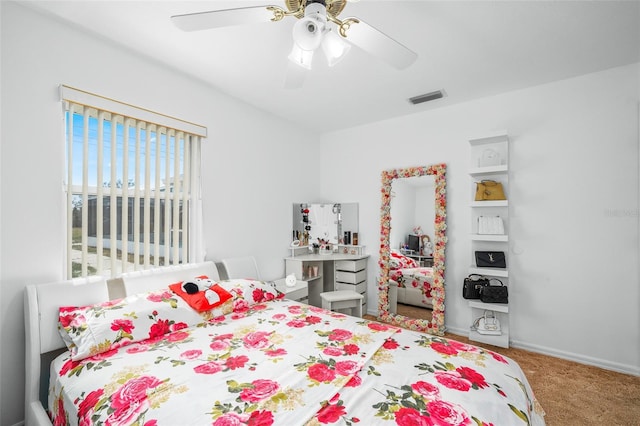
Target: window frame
pixel 170 134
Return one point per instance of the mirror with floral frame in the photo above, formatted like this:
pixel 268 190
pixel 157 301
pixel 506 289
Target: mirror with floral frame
pixel 436 324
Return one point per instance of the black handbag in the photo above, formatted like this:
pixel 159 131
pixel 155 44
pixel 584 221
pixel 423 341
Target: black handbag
pixel 490 259
pixel 472 285
pixel 494 293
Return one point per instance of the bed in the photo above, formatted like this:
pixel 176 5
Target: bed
pixel 241 362
pixel 412 281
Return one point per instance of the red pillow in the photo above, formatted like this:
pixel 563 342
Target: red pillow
pixel 198 301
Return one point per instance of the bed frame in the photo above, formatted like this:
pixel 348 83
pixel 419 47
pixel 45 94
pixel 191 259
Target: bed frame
pixel 42 302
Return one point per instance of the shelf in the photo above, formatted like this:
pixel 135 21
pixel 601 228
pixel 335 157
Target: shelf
pixel 501 340
pixel 497 136
pixel 496 307
pixel 489 170
pixel 490 237
pixel 310 278
pixel 495 203
pixel 491 272
pixel 489 159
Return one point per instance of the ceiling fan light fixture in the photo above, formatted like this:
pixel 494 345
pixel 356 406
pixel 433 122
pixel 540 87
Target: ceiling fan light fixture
pixel 307 33
pixel 301 57
pixel 334 47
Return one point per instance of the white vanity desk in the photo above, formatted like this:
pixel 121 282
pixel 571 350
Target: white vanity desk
pixel 329 272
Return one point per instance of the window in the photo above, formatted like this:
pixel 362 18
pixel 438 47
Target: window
pixel 132 187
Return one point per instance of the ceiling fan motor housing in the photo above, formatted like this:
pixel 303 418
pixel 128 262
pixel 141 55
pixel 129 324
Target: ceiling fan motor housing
pixel 334 7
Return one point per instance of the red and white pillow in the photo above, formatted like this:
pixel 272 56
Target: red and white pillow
pixel 90 330
pixel 200 300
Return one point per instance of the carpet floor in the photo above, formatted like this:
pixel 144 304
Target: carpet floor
pixel 572 393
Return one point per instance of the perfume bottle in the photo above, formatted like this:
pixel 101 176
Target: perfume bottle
pixel 347 237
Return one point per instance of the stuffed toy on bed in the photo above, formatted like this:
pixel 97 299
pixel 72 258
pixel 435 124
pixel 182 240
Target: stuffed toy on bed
pixel 202 284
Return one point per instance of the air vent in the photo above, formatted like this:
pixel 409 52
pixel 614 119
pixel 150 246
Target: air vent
pixel 431 96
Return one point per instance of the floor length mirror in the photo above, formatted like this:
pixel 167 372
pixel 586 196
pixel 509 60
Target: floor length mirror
pixel 412 248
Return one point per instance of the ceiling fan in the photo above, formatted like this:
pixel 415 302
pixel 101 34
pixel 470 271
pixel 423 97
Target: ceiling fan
pixel 318 26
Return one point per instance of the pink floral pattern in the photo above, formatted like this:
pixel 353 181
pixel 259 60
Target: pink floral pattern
pixel 283 362
pixel 417 278
pixel 91 330
pixel 436 325
pixel 400 261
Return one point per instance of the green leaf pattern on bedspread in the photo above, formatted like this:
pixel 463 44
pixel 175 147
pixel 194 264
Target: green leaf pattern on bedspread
pixel 285 363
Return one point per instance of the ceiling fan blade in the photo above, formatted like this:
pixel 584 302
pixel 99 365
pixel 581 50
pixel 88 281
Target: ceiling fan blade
pixel 379 44
pixel 223 18
pixel 294 76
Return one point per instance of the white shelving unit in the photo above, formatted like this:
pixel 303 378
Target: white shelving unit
pixel 311 272
pixel 490 160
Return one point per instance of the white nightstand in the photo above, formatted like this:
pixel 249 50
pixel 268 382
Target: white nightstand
pixel 299 292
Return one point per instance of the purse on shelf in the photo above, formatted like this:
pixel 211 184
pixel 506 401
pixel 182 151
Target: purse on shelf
pixel 489 190
pixel 494 293
pixel 487 324
pixel 472 285
pixel 490 225
pixel 490 259
pixel 490 157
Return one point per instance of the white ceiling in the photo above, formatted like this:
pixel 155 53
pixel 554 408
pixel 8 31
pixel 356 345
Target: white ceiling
pixel 468 49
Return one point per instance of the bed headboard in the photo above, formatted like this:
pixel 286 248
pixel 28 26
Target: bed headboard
pixel 159 278
pixel 42 303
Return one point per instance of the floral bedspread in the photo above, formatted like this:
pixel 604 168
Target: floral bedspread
pixel 420 279
pixel 286 363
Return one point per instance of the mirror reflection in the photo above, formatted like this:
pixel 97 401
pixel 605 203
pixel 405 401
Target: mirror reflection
pixel 412 225
pixel 335 223
pixel 412 248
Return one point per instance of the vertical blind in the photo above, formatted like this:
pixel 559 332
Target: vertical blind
pixel 133 187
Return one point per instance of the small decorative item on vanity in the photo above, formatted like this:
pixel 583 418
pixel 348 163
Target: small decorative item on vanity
pixel 325 246
pixel 290 280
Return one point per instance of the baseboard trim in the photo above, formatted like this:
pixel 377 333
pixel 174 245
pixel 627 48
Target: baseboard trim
pixel 569 356
pixel 582 359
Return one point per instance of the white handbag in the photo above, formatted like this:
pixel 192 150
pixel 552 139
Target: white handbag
pixel 488 324
pixel 490 225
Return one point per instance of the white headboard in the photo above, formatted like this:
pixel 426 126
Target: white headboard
pixel 158 278
pixel 42 303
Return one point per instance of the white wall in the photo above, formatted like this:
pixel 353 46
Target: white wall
pixel 574 197
pixel 577 267
pixel 247 199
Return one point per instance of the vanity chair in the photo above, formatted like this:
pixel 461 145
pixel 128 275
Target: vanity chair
pixel 343 299
pixel 241 267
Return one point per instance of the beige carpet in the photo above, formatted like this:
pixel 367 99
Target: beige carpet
pixel 575 394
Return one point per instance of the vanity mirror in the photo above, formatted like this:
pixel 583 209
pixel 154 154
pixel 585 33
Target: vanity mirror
pixel 403 271
pixel 328 221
